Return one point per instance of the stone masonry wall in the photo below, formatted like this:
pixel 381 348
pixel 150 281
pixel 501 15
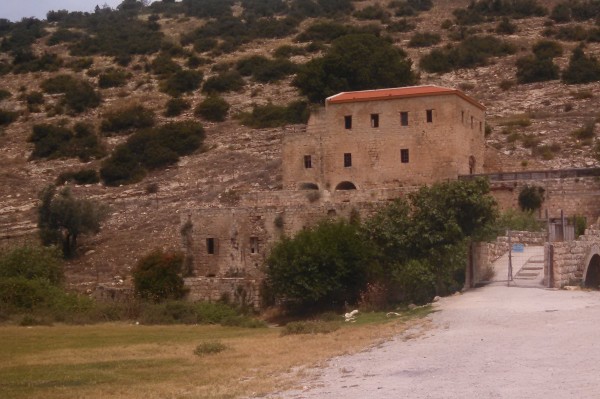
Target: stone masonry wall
pixel 569 258
pixel 239 291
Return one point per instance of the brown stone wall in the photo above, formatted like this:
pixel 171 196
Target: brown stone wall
pixel 569 258
pixel 575 196
pixel 240 291
pixel 438 150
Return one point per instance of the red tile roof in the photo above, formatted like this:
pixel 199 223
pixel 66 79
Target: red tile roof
pixel 398 92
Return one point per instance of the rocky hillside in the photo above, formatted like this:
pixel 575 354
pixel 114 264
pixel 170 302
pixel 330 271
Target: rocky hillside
pixel 147 56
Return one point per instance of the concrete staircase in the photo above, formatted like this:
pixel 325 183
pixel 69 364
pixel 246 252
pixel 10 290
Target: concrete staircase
pixel 531 271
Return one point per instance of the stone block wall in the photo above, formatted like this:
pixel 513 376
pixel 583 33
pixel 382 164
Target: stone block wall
pixel 239 291
pixel 570 258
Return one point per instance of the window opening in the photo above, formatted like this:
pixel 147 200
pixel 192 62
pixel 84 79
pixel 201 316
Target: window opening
pixel 307 162
pixel 462 116
pixel 254 245
pixel 210 246
pixel 404 155
pixel 404 118
pixel 471 122
pixel 347 160
pixel 374 120
pixel 348 121
pixel 429 113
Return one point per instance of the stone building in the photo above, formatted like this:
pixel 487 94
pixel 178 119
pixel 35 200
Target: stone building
pixel 362 149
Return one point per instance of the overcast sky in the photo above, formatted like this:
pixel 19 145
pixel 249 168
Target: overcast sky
pixel 17 9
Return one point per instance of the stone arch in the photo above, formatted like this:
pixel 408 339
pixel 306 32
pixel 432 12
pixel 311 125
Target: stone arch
pixel 591 273
pixel 308 186
pixel 472 163
pixel 345 185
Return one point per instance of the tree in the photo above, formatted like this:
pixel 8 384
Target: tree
pixel 532 69
pixel 157 276
pixel 62 218
pixel 582 68
pixel 322 267
pixel 421 241
pixel 531 198
pixel 355 62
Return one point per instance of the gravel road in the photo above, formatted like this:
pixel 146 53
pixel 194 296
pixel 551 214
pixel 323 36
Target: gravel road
pixel 493 342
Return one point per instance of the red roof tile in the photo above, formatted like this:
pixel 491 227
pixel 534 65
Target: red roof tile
pixel 398 92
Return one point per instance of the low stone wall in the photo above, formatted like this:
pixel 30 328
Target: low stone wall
pixel 570 257
pixel 238 291
pixel 499 247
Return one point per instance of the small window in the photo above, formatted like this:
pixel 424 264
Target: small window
pixel 404 118
pixel 480 126
pixel 429 115
pixel 253 245
pixel 211 246
pixel 471 122
pixel 348 121
pixel 404 155
pixel 347 160
pixel 374 120
pixel 462 116
pixel 307 162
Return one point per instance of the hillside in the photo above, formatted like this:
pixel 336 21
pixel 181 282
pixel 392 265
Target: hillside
pixel 138 50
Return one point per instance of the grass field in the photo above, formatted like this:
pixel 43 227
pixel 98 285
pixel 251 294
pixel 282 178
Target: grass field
pixel 134 361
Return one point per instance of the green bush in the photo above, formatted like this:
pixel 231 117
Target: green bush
pixel 561 13
pixel 533 69
pixel 310 327
pixel 270 115
pixel 582 68
pixel 134 116
pixel 505 27
pixel 355 62
pixel 224 82
pixel 547 49
pixel 82 176
pixel 213 108
pixel 63 35
pixel 52 141
pixel 157 276
pixel 32 263
pixel 7 117
pixel 209 348
pixel 81 97
pixel 287 50
pixel 531 198
pixel 31 63
pixel 402 25
pixel 176 106
pixel 182 82
pixel 164 66
pixel 518 220
pixel 4 94
pixel 374 12
pixel 424 39
pixel 113 78
pixel 79 64
pixel 58 84
pixel 263 69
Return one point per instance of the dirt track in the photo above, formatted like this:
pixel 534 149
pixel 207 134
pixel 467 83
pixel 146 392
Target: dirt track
pixel 494 342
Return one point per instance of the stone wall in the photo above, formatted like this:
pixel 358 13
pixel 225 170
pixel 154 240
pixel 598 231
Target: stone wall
pixel 575 196
pixel 570 258
pixel 239 291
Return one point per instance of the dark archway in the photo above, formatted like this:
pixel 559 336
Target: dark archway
pixel 308 186
pixel 345 185
pixel 591 278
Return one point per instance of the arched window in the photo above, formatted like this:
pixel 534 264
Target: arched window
pixel 345 185
pixel 308 186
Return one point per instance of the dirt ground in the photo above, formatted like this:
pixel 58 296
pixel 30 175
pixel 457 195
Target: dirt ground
pixel 493 342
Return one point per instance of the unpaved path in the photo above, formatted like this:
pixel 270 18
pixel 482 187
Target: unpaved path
pixel 493 342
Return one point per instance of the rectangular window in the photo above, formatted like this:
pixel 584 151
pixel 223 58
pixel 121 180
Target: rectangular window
pixel 347 160
pixel 404 155
pixel 404 118
pixel 480 126
pixel 211 246
pixel 253 245
pixel 374 120
pixel 348 121
pixel 462 116
pixel 429 115
pixel 307 162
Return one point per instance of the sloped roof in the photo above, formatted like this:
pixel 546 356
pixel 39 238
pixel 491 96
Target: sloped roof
pixel 398 92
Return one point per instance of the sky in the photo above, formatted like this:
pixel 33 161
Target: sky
pixel 14 10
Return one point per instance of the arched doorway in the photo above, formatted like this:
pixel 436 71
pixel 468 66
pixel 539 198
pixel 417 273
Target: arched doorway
pixel 308 186
pixel 345 185
pixel 591 276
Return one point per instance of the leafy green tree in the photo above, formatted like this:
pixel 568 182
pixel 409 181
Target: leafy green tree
pixel 322 267
pixel 355 62
pixel 421 242
pixel 157 276
pixel 531 198
pixel 62 218
pixel 32 263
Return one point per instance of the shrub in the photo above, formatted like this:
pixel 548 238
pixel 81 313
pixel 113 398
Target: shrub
pixel 4 94
pixel 133 116
pixel 264 69
pixel 63 35
pixel 176 106
pixel 34 99
pixel 506 84
pixel 519 220
pixel 355 62
pixel 328 31
pixel 224 82
pixel 79 64
pixel 402 25
pixel 581 68
pixel 561 13
pixel 505 27
pixel 182 82
pixel 586 132
pixel 533 69
pixel 164 66
pixel 531 198
pixel 7 117
pixel 372 12
pixel 81 97
pixel 209 348
pixel 32 263
pixel 58 84
pixel 82 176
pixel 424 39
pixel 157 276
pixel 547 49
pixel 30 63
pixel 113 78
pixel 52 141
pixel 310 327
pixel 271 115
pixel 213 108
pixel 286 51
